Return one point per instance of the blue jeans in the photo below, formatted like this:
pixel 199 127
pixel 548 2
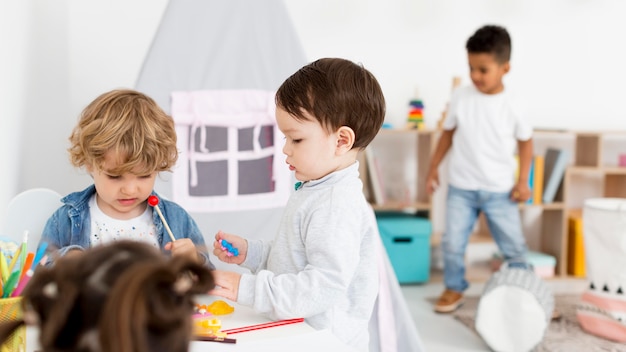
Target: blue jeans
pixel 462 210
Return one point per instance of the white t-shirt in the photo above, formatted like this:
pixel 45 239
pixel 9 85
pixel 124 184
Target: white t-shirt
pixel 484 144
pixel 105 229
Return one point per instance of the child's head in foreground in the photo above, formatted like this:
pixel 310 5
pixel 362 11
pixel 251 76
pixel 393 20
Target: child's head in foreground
pixel 328 111
pixel 489 53
pixel 123 139
pixel 121 297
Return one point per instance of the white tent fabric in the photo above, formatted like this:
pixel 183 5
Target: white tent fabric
pixel 213 44
pixel 230 151
pixel 248 45
pixel 222 45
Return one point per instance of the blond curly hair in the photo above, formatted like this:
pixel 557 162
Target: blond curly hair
pixel 132 126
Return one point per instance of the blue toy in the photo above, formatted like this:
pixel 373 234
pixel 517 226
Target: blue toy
pixel 227 246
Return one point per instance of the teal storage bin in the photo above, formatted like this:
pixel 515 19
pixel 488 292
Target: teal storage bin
pixel 407 241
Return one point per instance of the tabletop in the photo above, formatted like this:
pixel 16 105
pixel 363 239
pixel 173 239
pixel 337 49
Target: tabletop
pixel 284 338
pixel 298 336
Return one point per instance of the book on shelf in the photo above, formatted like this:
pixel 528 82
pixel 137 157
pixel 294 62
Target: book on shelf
pixel 531 180
pixel 538 179
pixel 375 177
pixel 556 161
pixel 576 245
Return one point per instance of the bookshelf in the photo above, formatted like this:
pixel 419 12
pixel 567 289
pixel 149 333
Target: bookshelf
pixel 595 171
pixel 592 171
pixel 406 153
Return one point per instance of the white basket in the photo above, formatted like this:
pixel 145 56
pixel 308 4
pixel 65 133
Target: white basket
pixel 602 308
pixel 514 310
pixel 604 233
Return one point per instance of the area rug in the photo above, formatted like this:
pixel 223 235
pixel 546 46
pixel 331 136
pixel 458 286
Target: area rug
pixel 564 333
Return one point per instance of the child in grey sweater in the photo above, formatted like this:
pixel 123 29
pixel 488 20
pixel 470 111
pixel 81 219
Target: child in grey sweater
pixel 322 263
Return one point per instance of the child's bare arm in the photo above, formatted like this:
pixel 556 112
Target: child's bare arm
pixel 444 144
pixel 521 191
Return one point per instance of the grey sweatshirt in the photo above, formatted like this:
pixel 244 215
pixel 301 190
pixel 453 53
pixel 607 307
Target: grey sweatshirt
pixel 322 263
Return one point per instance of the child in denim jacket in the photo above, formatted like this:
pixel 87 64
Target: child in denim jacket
pixel 123 140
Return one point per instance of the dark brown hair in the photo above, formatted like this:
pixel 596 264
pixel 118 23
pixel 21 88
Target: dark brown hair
pixel 123 297
pixel 337 92
pixel 493 40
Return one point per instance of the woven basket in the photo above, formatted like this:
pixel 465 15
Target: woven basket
pixel 11 309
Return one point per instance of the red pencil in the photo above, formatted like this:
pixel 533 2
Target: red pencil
pixel 263 325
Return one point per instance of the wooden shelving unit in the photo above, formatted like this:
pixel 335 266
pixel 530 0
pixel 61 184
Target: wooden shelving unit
pixel 423 144
pixel 594 173
pixel 590 174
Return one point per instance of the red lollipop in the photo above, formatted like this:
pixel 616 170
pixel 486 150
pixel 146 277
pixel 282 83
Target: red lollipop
pixel 154 202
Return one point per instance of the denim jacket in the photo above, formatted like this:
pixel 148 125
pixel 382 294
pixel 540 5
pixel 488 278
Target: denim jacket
pixel 69 227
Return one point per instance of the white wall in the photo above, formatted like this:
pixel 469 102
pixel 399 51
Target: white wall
pixel 14 30
pixel 568 61
pixel 60 55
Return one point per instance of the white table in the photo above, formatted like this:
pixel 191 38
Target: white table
pixel 299 337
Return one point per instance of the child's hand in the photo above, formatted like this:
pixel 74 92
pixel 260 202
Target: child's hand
pixel 432 182
pixel 183 247
pixel 237 242
pixel 226 284
pixel 520 192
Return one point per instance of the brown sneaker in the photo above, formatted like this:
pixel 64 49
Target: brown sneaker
pixel 449 301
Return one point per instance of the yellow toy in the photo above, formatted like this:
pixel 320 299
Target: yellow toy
pixel 205 325
pixel 208 327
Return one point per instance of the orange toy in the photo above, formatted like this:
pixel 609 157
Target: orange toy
pixel 218 307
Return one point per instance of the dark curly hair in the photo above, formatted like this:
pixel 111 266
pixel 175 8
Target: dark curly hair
pixel 493 40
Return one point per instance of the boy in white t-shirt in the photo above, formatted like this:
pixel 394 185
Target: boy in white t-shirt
pixel 482 128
